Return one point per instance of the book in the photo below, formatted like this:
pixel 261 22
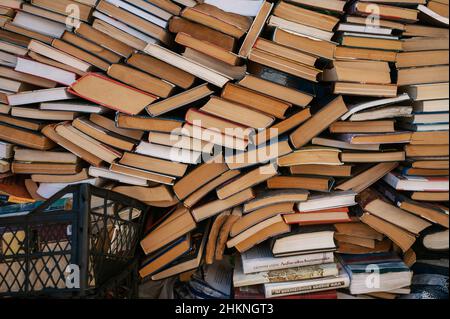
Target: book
pixel 228 110
pixel 304 240
pixel 255 235
pixel 141 80
pixel 165 256
pixel 207 48
pixel 267 198
pixel 308 17
pixel 259 215
pixel 153 164
pixel 372 202
pixel 311 155
pixel 273 89
pixel 173 225
pixel 111 94
pixel 333 200
pixel 312 183
pixel 367 178
pixel 213 208
pixel 393 271
pixel 255 30
pixel 189 261
pixel 192 181
pixel 25 137
pixel 186 65
pixel 320 48
pixel 48 72
pixel 410 183
pixel 328 216
pixel 260 258
pixel 180 100
pixel 273 290
pixel 58 55
pixel 284 65
pixel 292 274
pixel 117 9
pixel 318 123
pixel 146 194
pixel 201 32
pixel 213 17
pixel 39 96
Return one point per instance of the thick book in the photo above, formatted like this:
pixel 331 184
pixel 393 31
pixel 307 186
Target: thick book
pixel 260 258
pixel 273 290
pixel 111 94
pixel 275 276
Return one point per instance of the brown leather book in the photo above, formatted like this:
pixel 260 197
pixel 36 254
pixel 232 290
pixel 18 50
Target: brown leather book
pixel 201 32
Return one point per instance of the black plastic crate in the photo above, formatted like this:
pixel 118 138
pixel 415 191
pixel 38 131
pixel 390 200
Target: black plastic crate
pixel 80 243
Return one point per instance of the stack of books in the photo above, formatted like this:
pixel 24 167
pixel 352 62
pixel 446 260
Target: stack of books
pixel 304 137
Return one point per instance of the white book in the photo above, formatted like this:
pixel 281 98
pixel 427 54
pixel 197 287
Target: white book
pixel 371 36
pixel 169 153
pixel 333 200
pixel 260 258
pixel 57 55
pixel 374 103
pixel 433 16
pixel 151 8
pixel 187 65
pixel 45 71
pixel 6 150
pixel 123 27
pixel 348 27
pixel 39 96
pixel 249 8
pixel 140 13
pixel 298 28
pixel 47 190
pixel 73 106
pixel 38 24
pixel 417 183
pixel 121 178
pixel 274 290
pixel 283 275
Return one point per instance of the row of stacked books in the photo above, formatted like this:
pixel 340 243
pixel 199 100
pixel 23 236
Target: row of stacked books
pixel 302 142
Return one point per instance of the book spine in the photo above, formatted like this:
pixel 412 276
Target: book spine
pixel 260 265
pixel 300 287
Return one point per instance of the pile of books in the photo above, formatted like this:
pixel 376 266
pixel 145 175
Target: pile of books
pixel 308 139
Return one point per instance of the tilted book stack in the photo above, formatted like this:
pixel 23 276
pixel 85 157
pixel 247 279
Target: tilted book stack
pixel 309 138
